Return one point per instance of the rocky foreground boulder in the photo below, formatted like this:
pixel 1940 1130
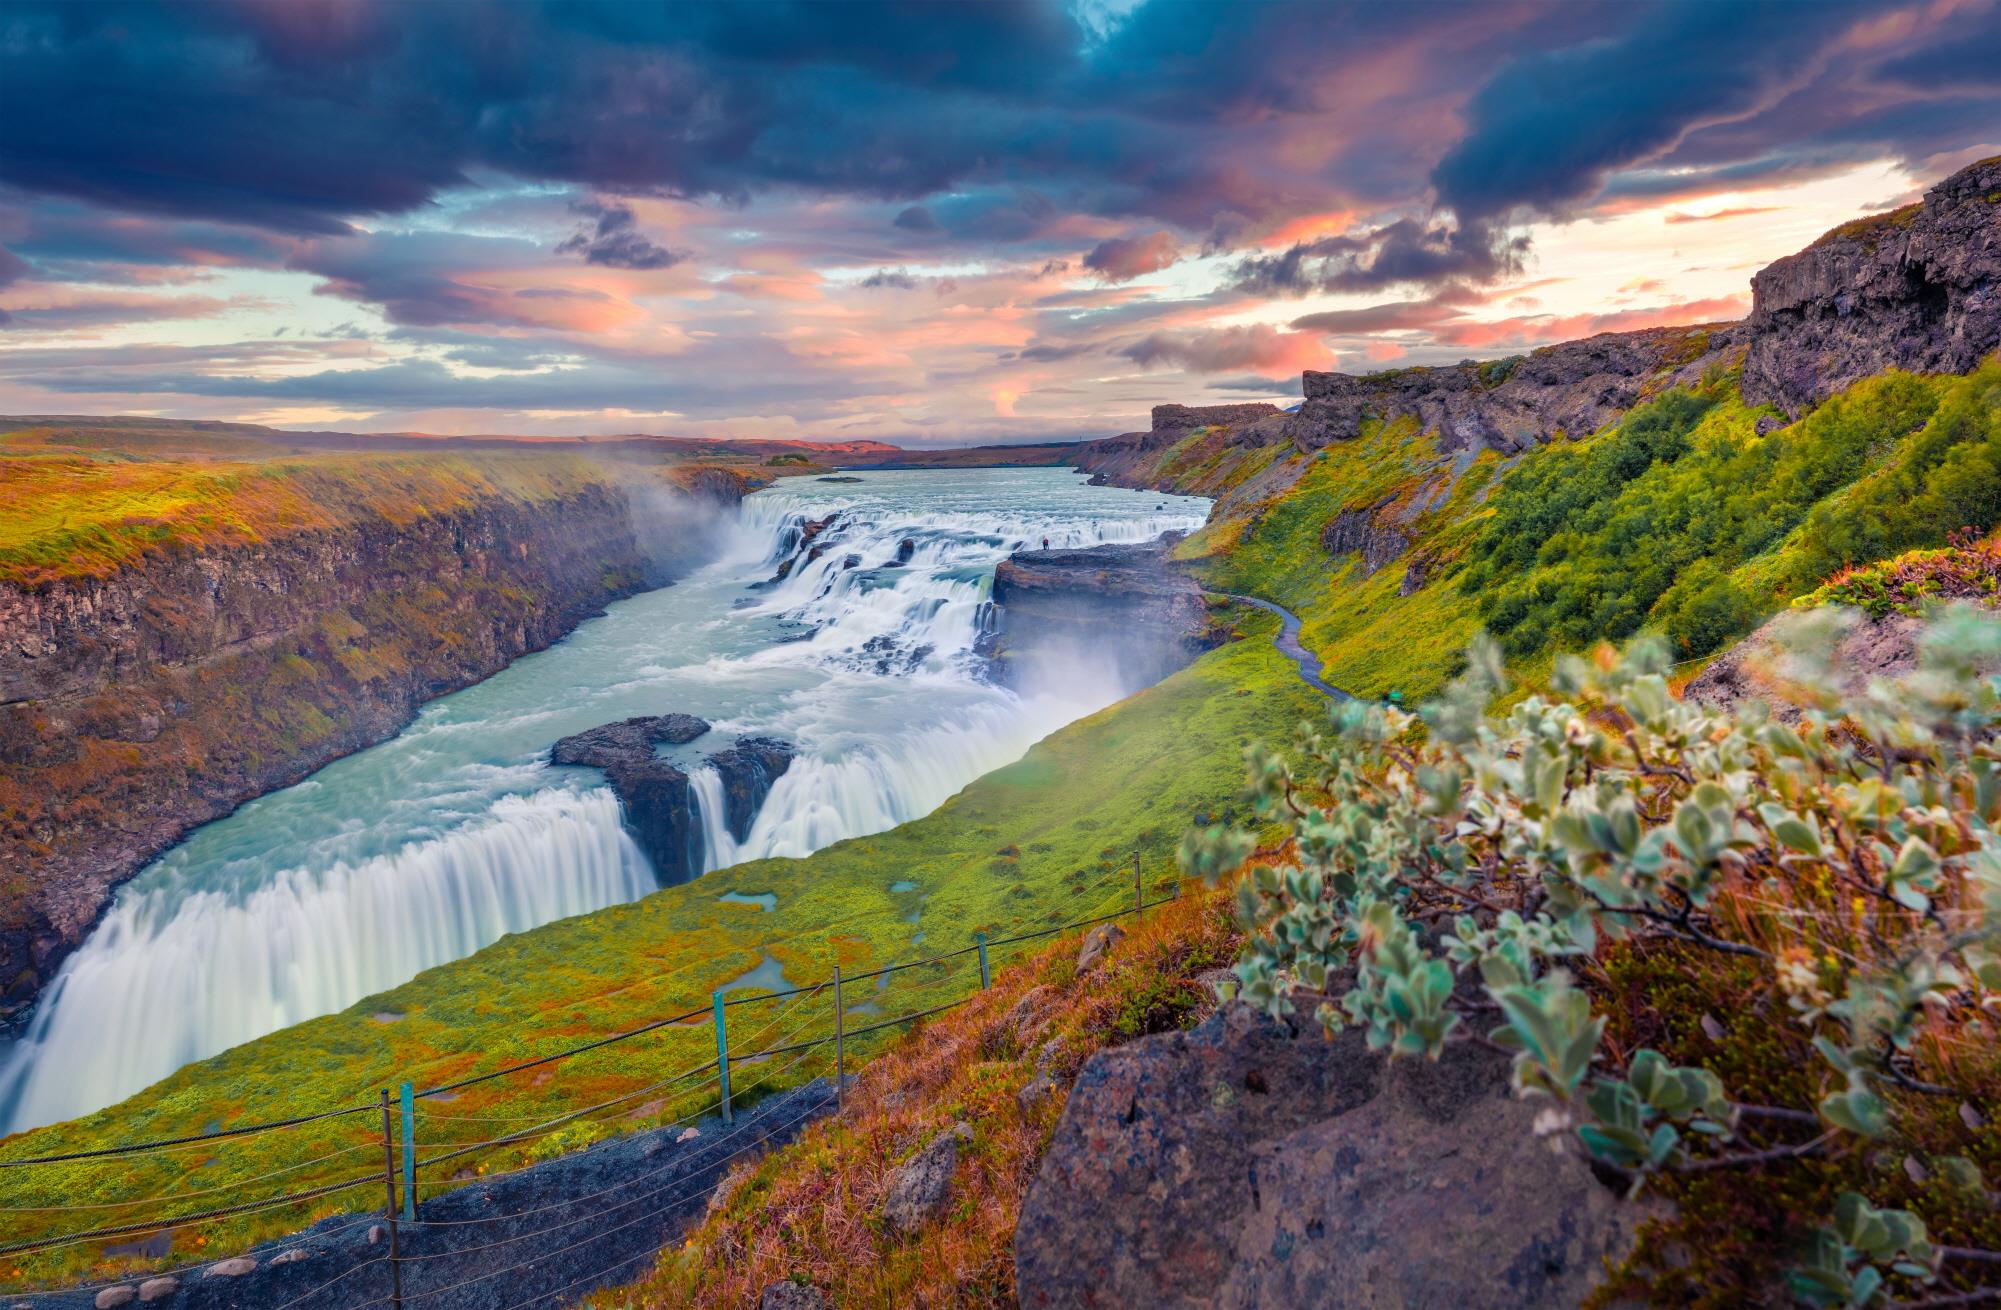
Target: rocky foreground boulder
pixel 1245 1165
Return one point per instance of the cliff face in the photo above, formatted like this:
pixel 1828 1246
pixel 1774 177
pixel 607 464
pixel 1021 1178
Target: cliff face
pixel 1119 606
pixel 1508 404
pixel 1918 288
pixel 1127 460
pixel 138 705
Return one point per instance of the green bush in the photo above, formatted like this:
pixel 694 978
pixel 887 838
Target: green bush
pixel 1469 869
pixel 1648 525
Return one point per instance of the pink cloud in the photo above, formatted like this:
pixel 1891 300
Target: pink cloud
pixel 1258 348
pixel 1122 259
pixel 1547 328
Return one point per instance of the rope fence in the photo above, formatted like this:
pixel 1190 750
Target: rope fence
pixel 405 1160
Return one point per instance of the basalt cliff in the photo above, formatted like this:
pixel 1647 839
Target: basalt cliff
pixel 142 702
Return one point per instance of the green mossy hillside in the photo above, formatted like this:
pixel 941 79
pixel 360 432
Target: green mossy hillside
pixel 1680 518
pixel 1041 842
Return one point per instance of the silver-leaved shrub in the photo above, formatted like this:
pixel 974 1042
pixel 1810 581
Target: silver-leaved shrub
pixel 1450 872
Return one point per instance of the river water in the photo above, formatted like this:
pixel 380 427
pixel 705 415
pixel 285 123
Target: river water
pixel 431 845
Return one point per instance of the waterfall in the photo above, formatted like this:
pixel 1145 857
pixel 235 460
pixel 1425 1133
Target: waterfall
pixel 430 846
pixel 165 979
pixel 719 848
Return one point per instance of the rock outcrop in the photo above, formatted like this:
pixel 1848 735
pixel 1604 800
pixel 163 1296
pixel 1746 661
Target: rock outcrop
pixel 1508 405
pixel 1918 288
pixel 748 769
pixel 654 794
pixel 617 744
pixel 1121 607
pixel 1122 460
pixel 920 1187
pixel 1241 1165
pixel 138 704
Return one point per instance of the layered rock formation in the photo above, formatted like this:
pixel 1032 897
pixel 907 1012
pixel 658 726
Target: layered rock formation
pixel 658 803
pixel 138 705
pixel 1242 1165
pixel 1918 288
pixel 1508 405
pixel 1119 607
pixel 1124 460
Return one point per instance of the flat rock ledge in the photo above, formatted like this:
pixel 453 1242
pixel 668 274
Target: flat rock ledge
pixel 1243 1165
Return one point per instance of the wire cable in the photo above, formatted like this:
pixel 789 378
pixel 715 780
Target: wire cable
pixel 220 1134
pixel 595 1237
pixel 183 1196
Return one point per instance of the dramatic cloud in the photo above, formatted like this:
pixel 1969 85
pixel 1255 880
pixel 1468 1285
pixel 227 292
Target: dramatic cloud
pixel 1259 347
pixel 1122 259
pixel 649 210
pixel 613 240
pixel 1406 252
pixel 894 278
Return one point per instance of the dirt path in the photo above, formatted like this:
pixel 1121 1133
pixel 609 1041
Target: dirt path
pixel 1287 641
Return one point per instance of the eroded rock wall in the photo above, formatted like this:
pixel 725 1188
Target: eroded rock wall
pixel 137 706
pixel 1918 288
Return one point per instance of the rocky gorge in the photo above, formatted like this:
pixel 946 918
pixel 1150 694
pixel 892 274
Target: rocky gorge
pixel 140 703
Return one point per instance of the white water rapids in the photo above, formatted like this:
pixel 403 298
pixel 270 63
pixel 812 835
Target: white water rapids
pixel 436 843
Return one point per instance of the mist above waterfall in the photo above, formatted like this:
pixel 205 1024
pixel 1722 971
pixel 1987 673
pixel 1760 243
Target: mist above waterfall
pixel 433 844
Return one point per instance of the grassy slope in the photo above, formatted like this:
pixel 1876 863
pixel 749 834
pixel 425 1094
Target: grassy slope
pixel 1894 462
pixel 64 516
pixel 1045 840
pixel 810 1211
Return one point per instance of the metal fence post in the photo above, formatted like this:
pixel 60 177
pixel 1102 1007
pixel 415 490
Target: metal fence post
pixel 1139 897
pixel 410 1153
pixel 840 1054
pixel 723 1060
pixel 389 1206
pixel 986 979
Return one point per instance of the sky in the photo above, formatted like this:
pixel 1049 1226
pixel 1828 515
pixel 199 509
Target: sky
pixel 931 224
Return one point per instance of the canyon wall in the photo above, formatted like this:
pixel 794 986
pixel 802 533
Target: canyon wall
pixel 138 705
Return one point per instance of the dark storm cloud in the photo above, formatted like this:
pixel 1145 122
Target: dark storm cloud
pixel 896 279
pixel 1409 251
pixel 306 118
pixel 614 239
pixel 1121 259
pixel 1546 131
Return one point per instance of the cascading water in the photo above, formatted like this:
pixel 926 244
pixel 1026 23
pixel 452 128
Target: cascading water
pixel 436 843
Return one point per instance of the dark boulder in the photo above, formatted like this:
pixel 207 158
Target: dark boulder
pixel 653 793
pixel 627 741
pixel 657 802
pixel 748 769
pixel 1242 1164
